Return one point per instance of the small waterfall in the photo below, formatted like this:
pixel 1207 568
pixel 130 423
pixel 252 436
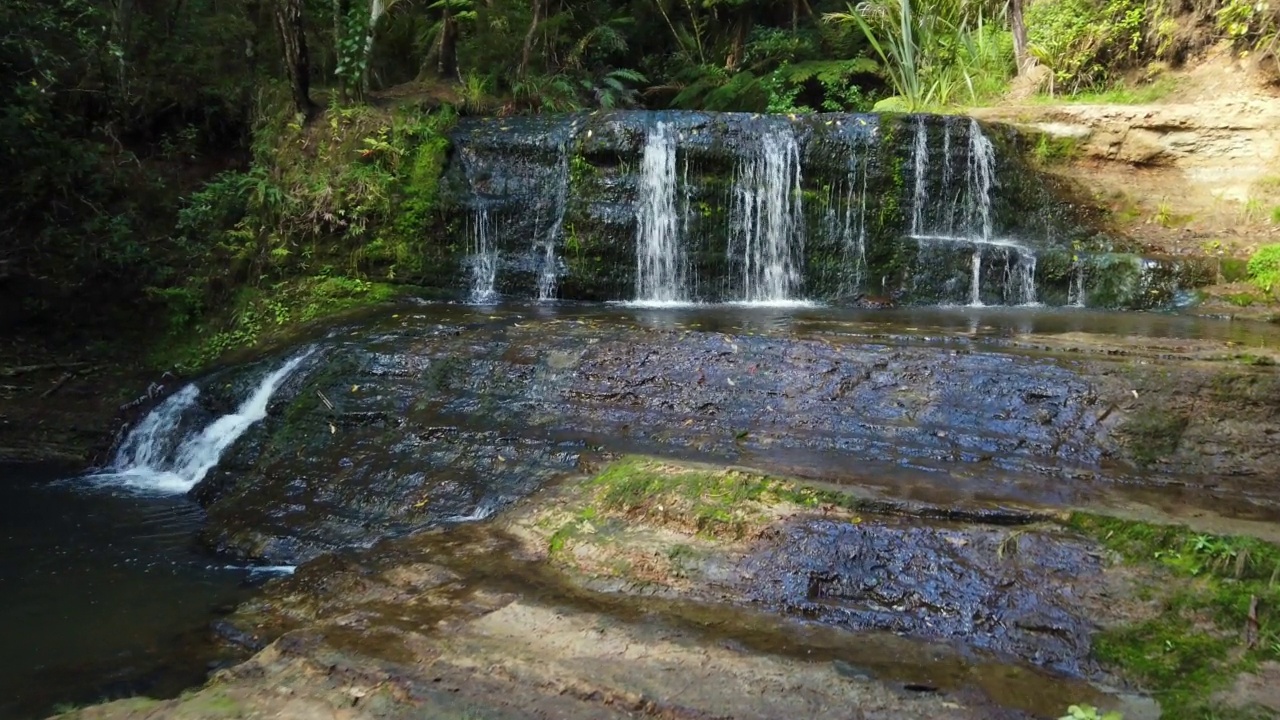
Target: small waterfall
pixel 979 180
pixel 975 284
pixel 1076 296
pixel 920 153
pixel 153 438
pixel 660 261
pixel 851 225
pixel 151 458
pixel 1022 279
pixel 544 248
pixel 768 233
pixel 948 177
pixel 484 258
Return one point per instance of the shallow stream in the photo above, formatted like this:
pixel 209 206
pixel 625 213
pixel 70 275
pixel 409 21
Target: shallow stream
pixel 458 411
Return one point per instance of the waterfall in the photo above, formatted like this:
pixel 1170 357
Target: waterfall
pixel 975 283
pixel 544 249
pixel 153 459
pixel 151 440
pixel 948 201
pixel 1076 296
pixel 767 232
pixel 1024 279
pixel 660 262
pixel 847 219
pixel 484 258
pixel 920 153
pixel 979 180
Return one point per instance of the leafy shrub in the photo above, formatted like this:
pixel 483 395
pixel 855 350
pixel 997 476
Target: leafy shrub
pixel 1264 268
pixel 1084 42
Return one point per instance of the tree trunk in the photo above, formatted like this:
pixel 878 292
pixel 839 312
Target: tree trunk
pixel 737 47
pixel 297 63
pixel 341 10
pixel 527 51
pixel 447 61
pixel 1019 26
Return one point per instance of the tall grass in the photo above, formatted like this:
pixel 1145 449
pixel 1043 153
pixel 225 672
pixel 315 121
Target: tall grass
pixel 934 54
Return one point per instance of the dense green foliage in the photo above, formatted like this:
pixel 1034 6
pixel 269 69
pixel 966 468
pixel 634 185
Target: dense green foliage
pixel 153 155
pixel 1264 268
pixel 936 54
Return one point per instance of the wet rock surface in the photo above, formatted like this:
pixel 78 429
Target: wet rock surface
pixel 498 620
pixel 1009 592
pixel 442 414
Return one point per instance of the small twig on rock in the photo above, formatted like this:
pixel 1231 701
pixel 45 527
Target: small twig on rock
pixel 61 381
pixel 325 400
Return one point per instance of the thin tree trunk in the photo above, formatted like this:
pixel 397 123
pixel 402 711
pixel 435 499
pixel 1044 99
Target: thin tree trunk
pixel 447 62
pixel 297 63
pixel 737 47
pixel 527 51
pixel 1019 26
pixel 341 9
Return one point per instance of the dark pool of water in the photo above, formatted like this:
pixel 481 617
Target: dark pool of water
pixel 993 324
pixel 102 593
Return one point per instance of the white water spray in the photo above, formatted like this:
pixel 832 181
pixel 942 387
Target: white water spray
pixel 545 247
pixel 920 153
pixel 484 258
pixel 768 232
pixel 660 260
pixel 151 459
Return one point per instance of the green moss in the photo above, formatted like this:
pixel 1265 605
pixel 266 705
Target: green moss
pixel 1050 150
pixel 259 313
pixel 715 502
pixel 1197 643
pixel 1179 665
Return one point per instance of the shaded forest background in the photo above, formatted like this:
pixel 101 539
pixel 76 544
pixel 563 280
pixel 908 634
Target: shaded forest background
pixel 268 160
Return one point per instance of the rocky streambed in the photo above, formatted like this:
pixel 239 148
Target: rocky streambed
pixel 612 512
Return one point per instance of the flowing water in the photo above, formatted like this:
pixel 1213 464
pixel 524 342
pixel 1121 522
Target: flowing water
pixel 110 599
pixel 963 217
pixel 484 258
pixel 683 207
pixel 920 165
pixel 545 246
pixel 153 458
pixel 660 261
pixel 768 230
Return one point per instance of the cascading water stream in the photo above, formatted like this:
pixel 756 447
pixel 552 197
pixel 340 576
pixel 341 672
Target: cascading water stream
pixel 545 247
pixel 155 458
pixel 979 180
pixel 660 259
pixel 1076 296
pixel 920 153
pixel 767 233
pixel 756 209
pixel 964 216
pixel 484 257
